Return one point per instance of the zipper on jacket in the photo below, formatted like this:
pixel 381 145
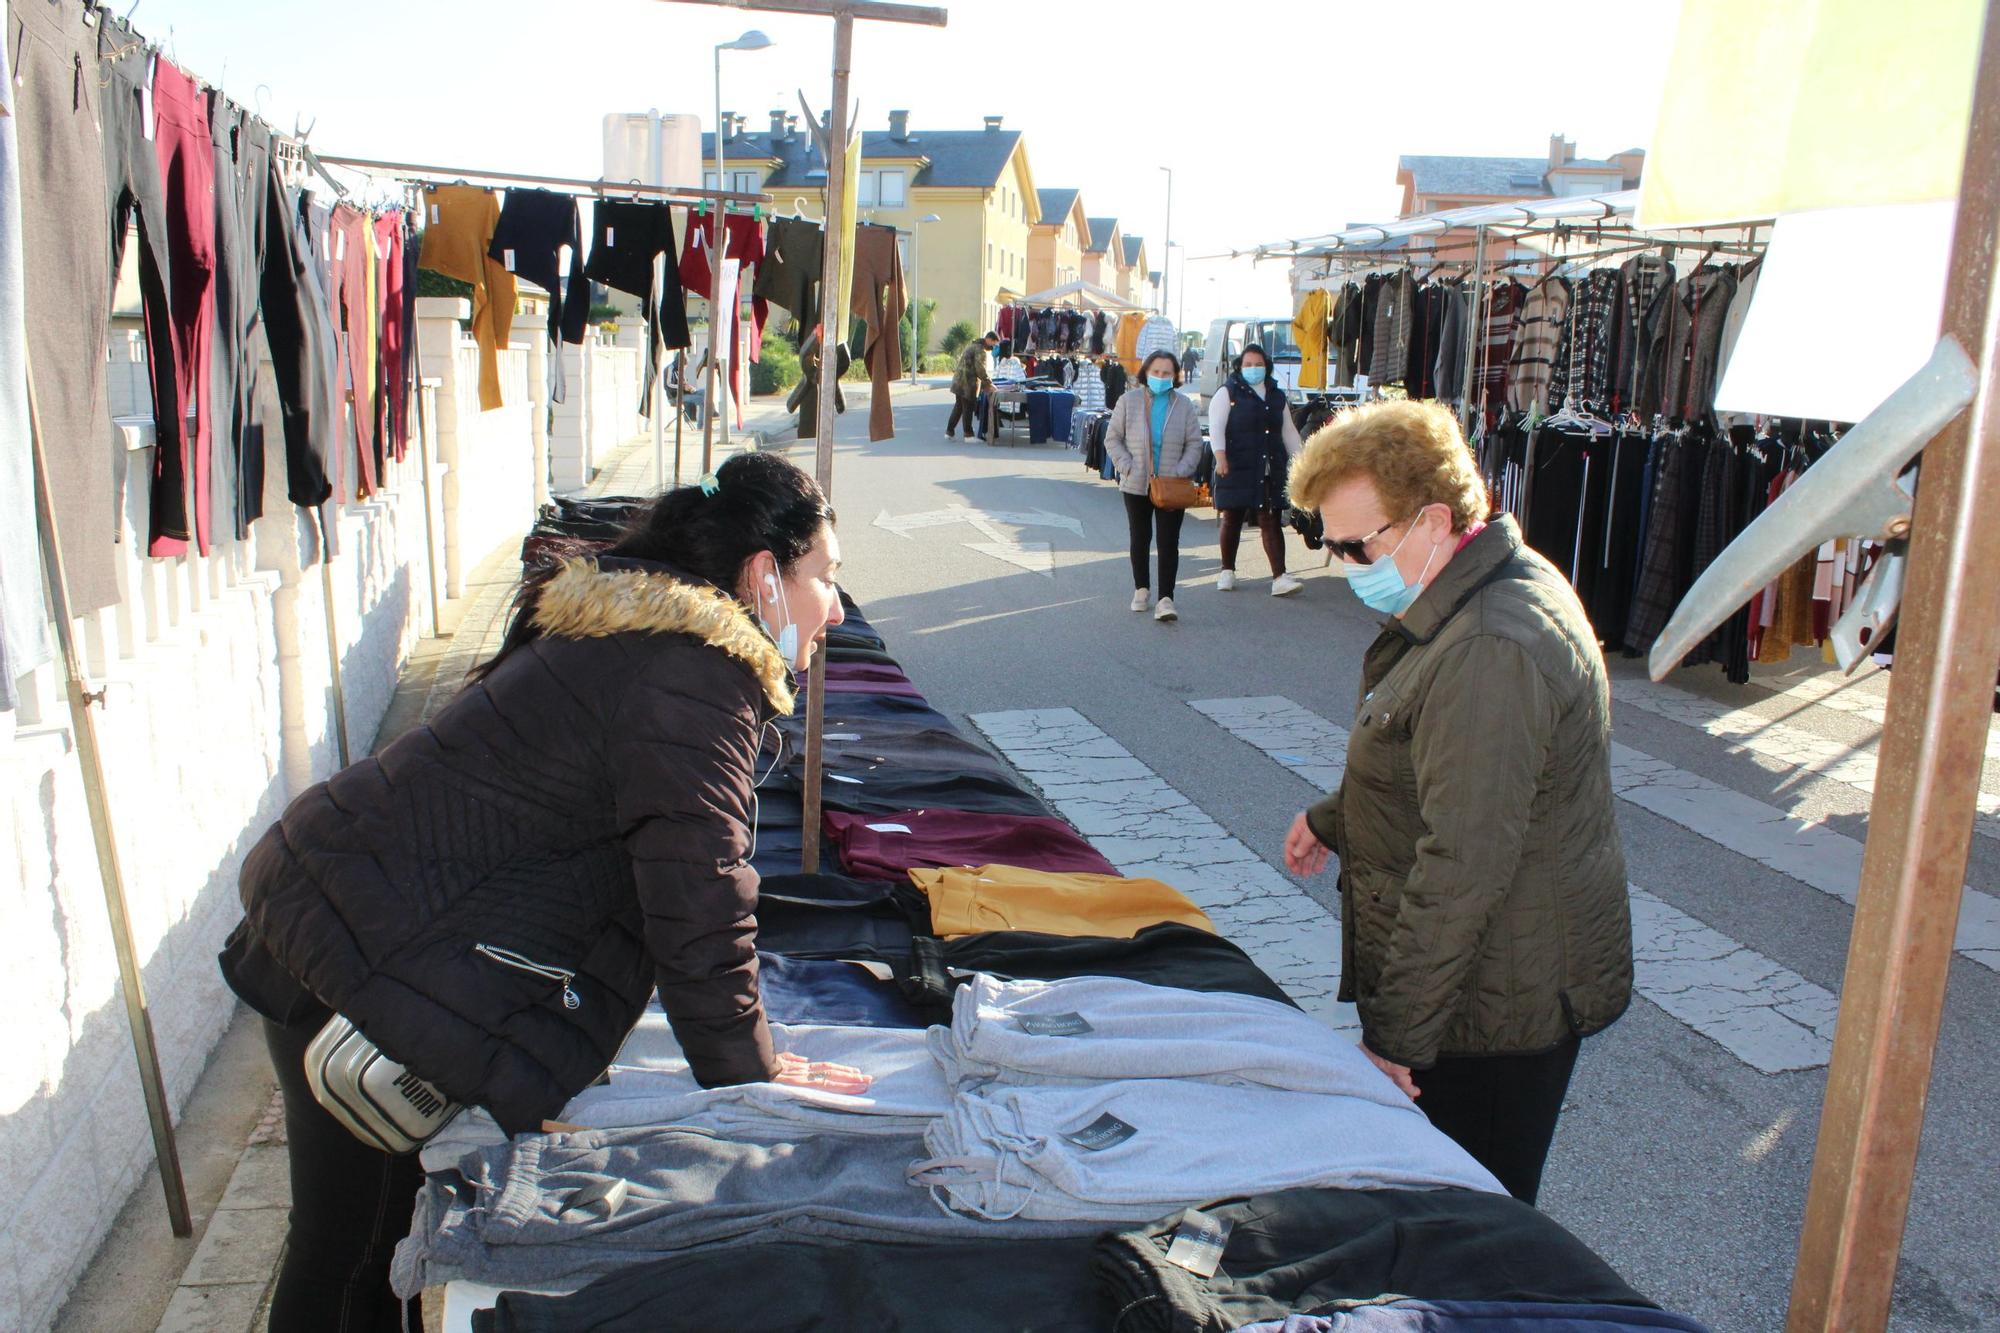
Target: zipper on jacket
pixel 508 958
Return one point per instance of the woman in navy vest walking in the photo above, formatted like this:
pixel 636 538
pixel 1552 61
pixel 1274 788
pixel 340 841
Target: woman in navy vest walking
pixel 1250 428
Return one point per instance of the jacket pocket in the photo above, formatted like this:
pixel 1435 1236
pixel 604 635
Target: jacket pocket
pixel 562 976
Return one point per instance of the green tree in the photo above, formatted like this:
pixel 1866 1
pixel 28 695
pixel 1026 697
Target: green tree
pixel 917 339
pixel 956 337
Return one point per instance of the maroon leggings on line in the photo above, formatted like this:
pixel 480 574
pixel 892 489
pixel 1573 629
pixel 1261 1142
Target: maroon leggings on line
pixel 1269 527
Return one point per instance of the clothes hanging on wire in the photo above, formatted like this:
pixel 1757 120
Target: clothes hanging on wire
pixel 746 247
pixel 533 228
pixel 879 301
pixel 789 277
pixel 629 236
pixel 459 229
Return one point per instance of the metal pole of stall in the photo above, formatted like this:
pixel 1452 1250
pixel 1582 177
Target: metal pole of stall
pixel 1474 305
pixel 1921 817
pixel 655 355
pixel 138 1018
pixel 424 466
pixel 332 634
pixel 832 322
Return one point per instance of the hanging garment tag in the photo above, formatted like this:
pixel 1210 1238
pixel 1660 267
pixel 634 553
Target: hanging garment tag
pixel 1199 1242
pixel 841 736
pixel 1107 1131
pixel 436 214
pixel 146 124
pixel 339 246
pixel 611 235
pixel 890 828
pixel 1053 1025
pixel 507 259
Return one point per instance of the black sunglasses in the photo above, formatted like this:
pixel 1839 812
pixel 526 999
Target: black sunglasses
pixel 1353 551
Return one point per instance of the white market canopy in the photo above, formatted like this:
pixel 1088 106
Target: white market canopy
pixel 1081 293
pixel 1581 210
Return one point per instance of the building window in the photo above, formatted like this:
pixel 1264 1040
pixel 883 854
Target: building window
pixel 889 189
pixel 903 251
pixel 864 194
pixel 708 181
pixel 989 254
pixel 745 182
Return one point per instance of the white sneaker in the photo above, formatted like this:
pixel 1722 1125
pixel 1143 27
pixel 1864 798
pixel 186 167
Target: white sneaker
pixel 1139 600
pixel 1225 581
pixel 1285 585
pixel 1165 610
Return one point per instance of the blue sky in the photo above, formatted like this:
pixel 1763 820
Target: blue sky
pixel 1279 119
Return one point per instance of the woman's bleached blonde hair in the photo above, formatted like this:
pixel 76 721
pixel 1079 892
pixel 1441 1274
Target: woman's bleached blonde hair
pixel 1412 452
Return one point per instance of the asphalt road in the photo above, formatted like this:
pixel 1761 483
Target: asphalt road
pixel 1680 1162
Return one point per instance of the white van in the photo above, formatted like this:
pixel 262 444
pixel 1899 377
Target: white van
pixel 1227 337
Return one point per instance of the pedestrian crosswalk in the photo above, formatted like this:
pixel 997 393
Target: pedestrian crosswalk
pixel 1861 695
pixel 1147 828
pixel 1782 742
pixel 1763 1013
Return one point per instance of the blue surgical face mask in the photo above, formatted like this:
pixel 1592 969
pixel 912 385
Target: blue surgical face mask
pixel 1381 586
pixel 1253 375
pixel 1159 383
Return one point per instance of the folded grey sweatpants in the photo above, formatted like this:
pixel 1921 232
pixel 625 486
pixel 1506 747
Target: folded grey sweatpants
pixel 552 1210
pixel 1113 1028
pixel 1139 1148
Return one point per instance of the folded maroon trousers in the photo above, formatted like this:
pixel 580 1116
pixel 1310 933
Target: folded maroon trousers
pixel 878 847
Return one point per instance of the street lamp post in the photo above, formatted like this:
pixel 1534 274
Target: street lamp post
pixel 1167 278
pixel 719 251
pixel 916 305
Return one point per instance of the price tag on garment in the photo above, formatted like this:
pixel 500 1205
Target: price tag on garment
pixel 1199 1242
pixel 436 215
pixel 841 736
pixel 507 260
pixel 611 235
pixel 890 828
pixel 146 123
pixel 1053 1025
pixel 339 246
pixel 1107 1131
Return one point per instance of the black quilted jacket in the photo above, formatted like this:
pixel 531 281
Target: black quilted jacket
pixel 493 896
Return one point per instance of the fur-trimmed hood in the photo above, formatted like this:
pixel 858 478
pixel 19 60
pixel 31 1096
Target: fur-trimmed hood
pixel 583 601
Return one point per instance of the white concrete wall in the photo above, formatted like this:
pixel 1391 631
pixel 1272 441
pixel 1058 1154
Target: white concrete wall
pixel 601 409
pixel 218 712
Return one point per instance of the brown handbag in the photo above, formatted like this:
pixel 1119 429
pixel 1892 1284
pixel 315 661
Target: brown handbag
pixel 1177 493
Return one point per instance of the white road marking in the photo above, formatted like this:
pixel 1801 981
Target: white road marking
pixel 1767 1016
pixel 1744 730
pixel 1035 557
pixel 1855 695
pixel 1148 829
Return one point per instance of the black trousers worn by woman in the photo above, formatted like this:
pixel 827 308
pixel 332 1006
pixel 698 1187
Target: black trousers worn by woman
pixel 350 1205
pixel 1502 1109
pixel 1147 523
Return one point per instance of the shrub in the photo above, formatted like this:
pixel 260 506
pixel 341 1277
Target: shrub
pixel 956 337
pixel 937 363
pixel 780 369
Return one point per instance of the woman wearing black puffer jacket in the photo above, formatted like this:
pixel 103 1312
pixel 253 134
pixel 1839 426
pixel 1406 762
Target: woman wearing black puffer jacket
pixel 493 897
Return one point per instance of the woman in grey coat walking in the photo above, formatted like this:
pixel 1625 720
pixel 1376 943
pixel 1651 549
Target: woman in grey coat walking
pixel 1154 432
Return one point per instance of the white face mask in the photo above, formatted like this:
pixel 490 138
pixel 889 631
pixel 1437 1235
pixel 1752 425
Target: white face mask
pixel 786 638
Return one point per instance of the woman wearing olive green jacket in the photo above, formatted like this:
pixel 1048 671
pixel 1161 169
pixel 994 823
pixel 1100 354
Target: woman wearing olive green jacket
pixel 1484 922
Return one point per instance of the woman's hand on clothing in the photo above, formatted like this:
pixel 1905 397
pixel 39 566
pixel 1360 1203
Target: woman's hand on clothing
pixel 1305 854
pixel 1398 1074
pixel 795 1071
pixel 1222 465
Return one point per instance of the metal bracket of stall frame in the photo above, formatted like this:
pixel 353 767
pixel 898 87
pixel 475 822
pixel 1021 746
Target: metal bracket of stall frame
pixel 843 13
pixel 90 758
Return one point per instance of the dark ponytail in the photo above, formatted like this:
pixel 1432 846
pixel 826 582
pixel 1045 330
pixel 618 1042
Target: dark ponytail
pixel 760 503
